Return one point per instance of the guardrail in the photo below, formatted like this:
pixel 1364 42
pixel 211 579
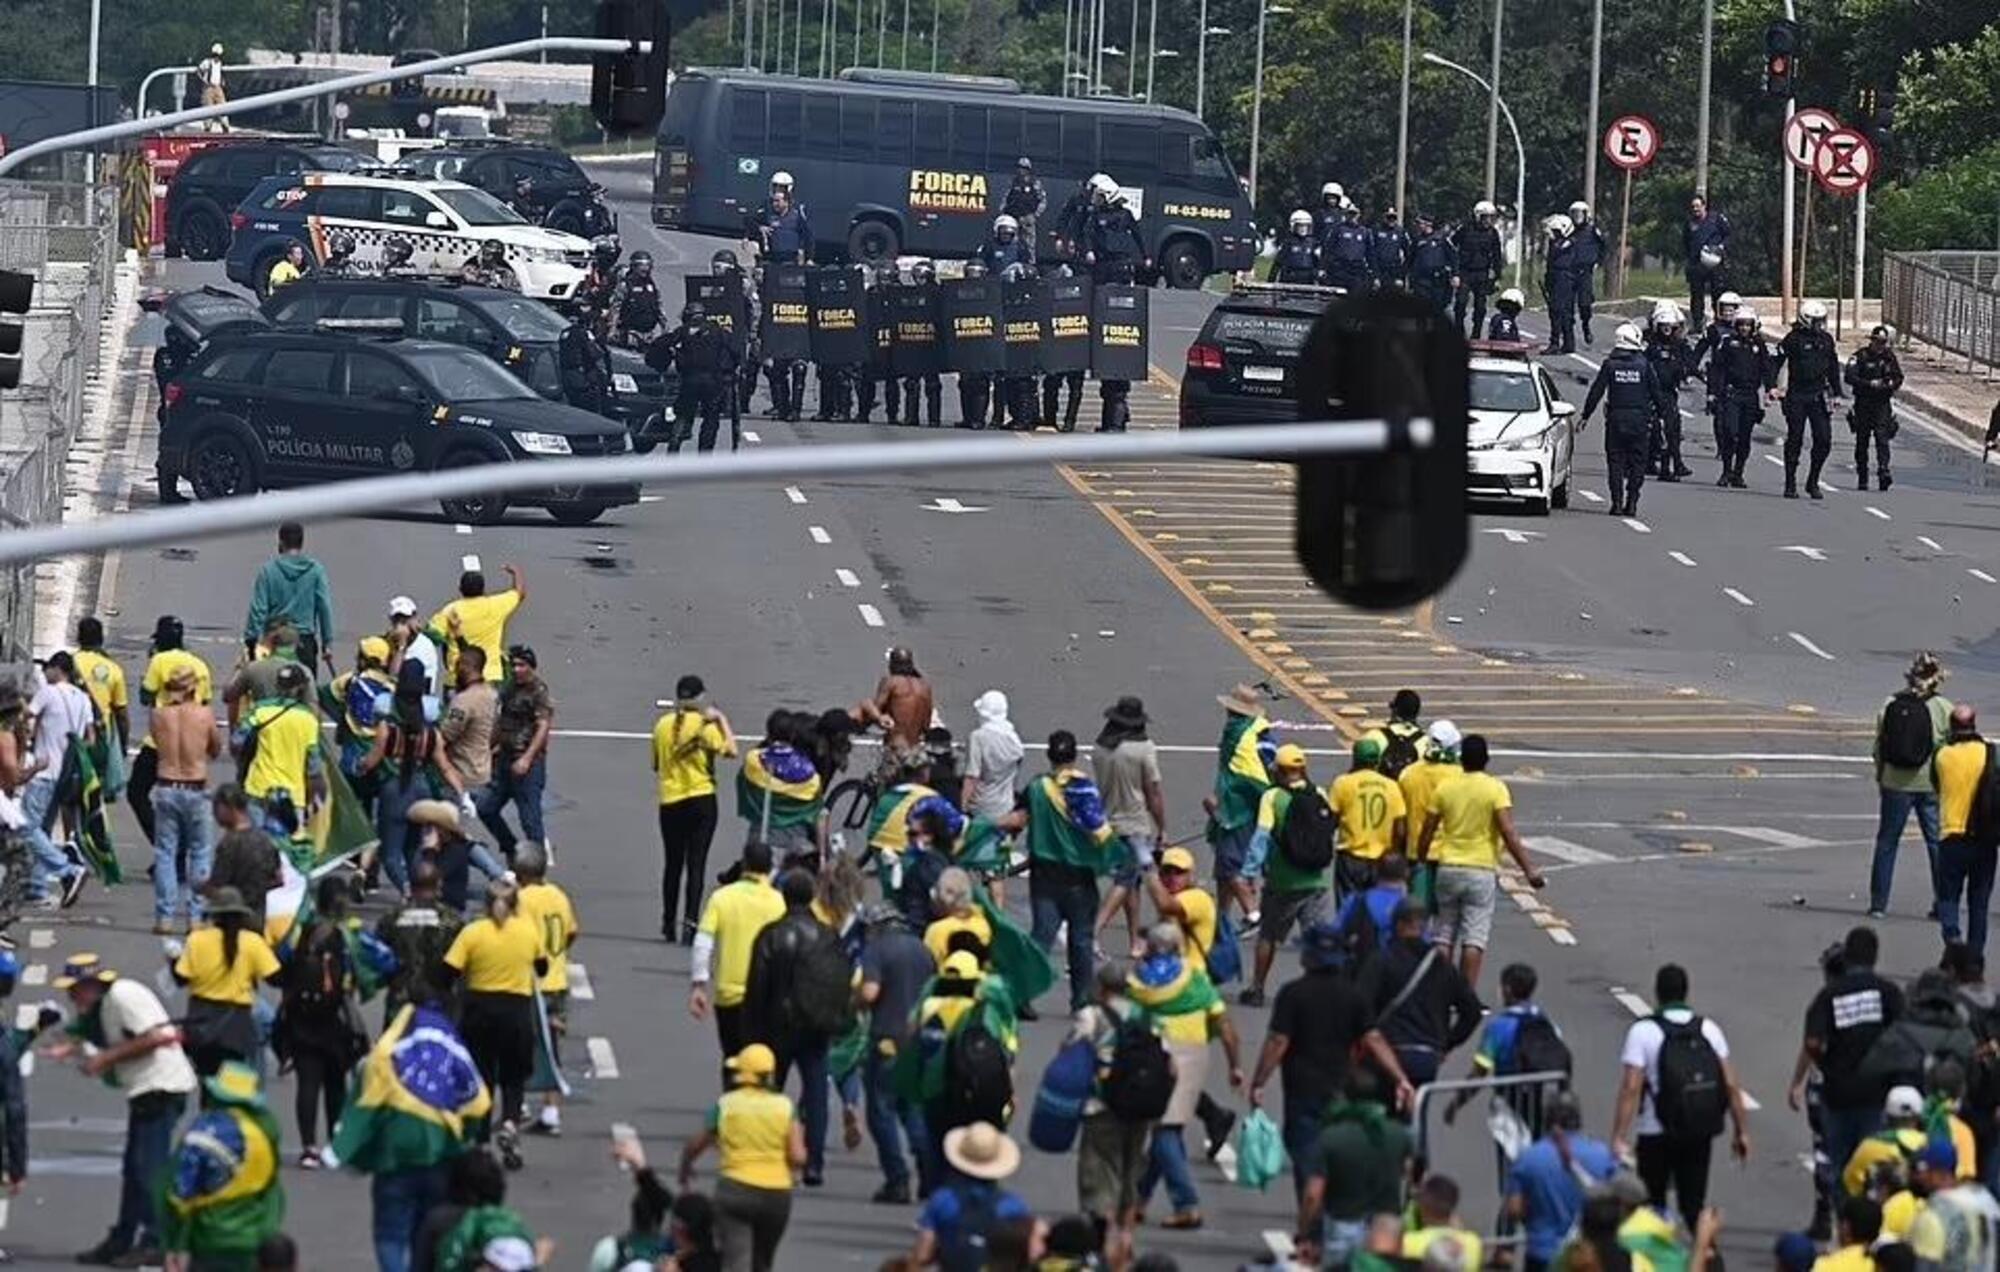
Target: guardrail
pixel 1512 1117
pixel 1949 301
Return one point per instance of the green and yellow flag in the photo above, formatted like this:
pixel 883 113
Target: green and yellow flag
pixel 419 1099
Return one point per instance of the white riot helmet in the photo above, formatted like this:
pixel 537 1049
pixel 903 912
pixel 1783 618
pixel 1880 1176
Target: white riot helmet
pixel 1728 301
pixel 1745 317
pixel 1348 207
pixel 1301 220
pixel 1101 184
pixel 1628 337
pixel 1885 333
pixel 1512 296
pixel 1812 314
pixel 781 181
pixel 1667 314
pixel 1005 226
pixel 1485 208
pixel 1332 192
pixel 1579 211
pixel 1560 226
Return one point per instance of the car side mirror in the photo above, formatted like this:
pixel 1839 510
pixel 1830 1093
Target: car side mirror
pixel 437 220
pixel 407 395
pixel 1562 410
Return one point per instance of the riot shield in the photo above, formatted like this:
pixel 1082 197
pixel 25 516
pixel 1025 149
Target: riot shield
pixel 1118 332
pixel 722 296
pixel 881 328
pixel 913 308
pixel 1066 339
pixel 786 328
pixel 838 305
pixel 1025 309
pixel 971 313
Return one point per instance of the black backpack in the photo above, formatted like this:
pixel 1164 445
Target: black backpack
pixel 1403 749
pixel 1983 823
pixel 1538 1048
pixel 1306 838
pixel 978 1082
pixel 1906 738
pixel 822 989
pixel 1141 1080
pixel 1689 1097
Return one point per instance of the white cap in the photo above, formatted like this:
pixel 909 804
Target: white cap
pixel 1443 734
pixel 1903 1101
pixel 402 607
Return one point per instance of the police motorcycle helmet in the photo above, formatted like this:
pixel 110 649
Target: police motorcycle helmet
pixel 1745 320
pixel 493 252
pixel 1812 314
pixel 1332 193
pixel 1024 164
pixel 781 180
pixel 1560 226
pixel 1301 221
pixel 1005 228
pixel 975 269
pixel 1884 333
pixel 1511 301
pixel 1579 212
pixel 724 262
pixel 1628 337
pixel 692 313
pixel 1728 303
pixel 397 251
pixel 340 243
pixel 1102 186
pixel 1667 316
pixel 1485 208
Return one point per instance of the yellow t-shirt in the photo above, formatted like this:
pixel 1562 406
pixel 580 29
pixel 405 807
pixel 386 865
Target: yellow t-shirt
pixel 753 1128
pixel 497 958
pixel 162 666
pixel 548 908
pixel 282 273
pixel 1419 784
pixel 1852 1258
pixel 734 916
pixel 1959 767
pixel 1197 921
pixel 1368 804
pixel 286 734
pixel 1881 1148
pixel 1899 1215
pixel 685 747
pixel 103 680
pixel 937 937
pixel 1466 833
pixel 482 621
pixel 207 976
pixel 1418 1243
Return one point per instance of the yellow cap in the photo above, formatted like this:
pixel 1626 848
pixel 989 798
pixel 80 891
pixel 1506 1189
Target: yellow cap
pixel 754 1063
pixel 375 649
pixel 1291 755
pixel 1177 859
pixel 80 968
pixel 961 965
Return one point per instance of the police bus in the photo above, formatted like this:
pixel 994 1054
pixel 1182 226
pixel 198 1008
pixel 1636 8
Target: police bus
pixel 894 162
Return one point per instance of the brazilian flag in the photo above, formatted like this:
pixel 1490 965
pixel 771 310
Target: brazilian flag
pixel 418 1100
pixel 779 788
pixel 889 820
pixel 1066 822
pixel 339 829
pixel 80 787
pixel 1014 957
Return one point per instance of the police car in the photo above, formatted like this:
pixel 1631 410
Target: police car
pixel 1243 365
pixel 444 221
pixel 254 410
pixel 1523 435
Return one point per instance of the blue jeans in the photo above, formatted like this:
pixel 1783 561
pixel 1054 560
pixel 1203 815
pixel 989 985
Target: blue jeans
pixel 1846 1128
pixel 52 866
pixel 891 1120
pixel 1964 867
pixel 810 1057
pixel 400 840
pixel 1056 898
pixel 526 795
pixel 1301 1134
pixel 1896 809
pixel 401 1198
pixel 149 1140
pixel 180 823
pixel 1168 1160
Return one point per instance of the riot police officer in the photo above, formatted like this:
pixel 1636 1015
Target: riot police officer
pixel 1298 254
pixel 780 228
pixel 1389 252
pixel 1054 382
pixel 1672 361
pixel 1726 307
pixel 1587 250
pixel 722 263
pixel 1874 375
pixel 1704 242
pixel 924 275
pixel 1026 199
pixel 1111 234
pixel 339 262
pixel 1332 202
pixel 1433 264
pixel 1345 254
pixel 1071 223
pixel 702 352
pixel 490 268
pixel 636 311
pixel 875 376
pixel 601 279
pixel 396 254
pixel 1479 260
pixel 1004 249
pixel 585 363
pixel 1559 281
pixel 1634 399
pixel 1506 321
pixel 978 403
pixel 1808 351
pixel 1739 382
pixel 524 201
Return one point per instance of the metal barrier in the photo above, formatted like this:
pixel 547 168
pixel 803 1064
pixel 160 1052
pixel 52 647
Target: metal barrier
pixel 1949 301
pixel 1513 1118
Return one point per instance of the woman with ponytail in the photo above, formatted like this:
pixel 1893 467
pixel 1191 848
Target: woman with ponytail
pixel 221 967
pixel 499 955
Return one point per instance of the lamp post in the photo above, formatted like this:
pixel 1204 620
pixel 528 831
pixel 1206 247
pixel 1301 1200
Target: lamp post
pixel 1520 158
pixel 1493 96
pixel 1152 43
pixel 1403 115
pixel 1257 96
pixel 1590 138
pixel 1201 59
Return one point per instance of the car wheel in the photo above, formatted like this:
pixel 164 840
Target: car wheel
pixel 1182 265
pixel 1559 497
pixel 566 221
pixel 478 510
pixel 578 514
pixel 872 242
pixel 220 466
pixel 204 234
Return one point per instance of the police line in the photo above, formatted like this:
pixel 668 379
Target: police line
pixel 1353 438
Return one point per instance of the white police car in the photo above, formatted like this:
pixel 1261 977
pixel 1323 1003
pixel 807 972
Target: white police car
pixel 1522 436
pixel 444 221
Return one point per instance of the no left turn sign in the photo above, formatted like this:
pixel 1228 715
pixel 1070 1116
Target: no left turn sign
pixel 1803 133
pixel 1631 142
pixel 1844 161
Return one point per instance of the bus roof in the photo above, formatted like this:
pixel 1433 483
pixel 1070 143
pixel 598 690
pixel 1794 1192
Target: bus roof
pixel 969 89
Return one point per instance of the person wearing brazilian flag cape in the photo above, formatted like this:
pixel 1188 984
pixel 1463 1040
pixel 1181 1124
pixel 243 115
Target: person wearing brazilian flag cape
pixel 1174 991
pixel 1070 847
pixel 780 794
pixel 221 1193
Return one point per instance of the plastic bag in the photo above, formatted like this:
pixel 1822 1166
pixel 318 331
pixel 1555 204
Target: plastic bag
pixel 1260 1151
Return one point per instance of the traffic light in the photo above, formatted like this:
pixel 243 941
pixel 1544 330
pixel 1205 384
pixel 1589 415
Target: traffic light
pixel 17 292
pixel 1389 530
pixel 628 91
pixel 1781 58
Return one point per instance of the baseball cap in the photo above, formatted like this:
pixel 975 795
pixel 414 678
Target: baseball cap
pixel 375 647
pixel 962 965
pixel 402 607
pixel 1939 1154
pixel 1291 755
pixel 1369 746
pixel 1177 859
pixel 509 1254
pixel 1795 1252
pixel 1903 1101
pixel 1444 735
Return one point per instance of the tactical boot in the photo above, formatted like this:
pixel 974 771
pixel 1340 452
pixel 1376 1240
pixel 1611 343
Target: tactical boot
pixel 1791 481
pixel 1883 481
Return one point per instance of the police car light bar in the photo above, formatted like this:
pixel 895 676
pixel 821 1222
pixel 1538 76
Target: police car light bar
pixel 1253 288
pixel 360 326
pixel 1501 348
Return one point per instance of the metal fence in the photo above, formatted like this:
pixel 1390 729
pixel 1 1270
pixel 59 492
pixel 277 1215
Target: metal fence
pixel 1949 301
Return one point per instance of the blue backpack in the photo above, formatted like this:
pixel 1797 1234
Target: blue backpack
pixel 1225 960
pixel 1066 1085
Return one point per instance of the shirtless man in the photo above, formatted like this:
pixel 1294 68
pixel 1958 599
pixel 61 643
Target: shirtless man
pixel 185 735
pixel 903 707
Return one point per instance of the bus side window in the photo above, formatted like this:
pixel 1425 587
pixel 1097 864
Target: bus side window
pixel 823 119
pixel 857 128
pixel 1211 166
pixel 968 138
pixel 746 120
pixel 1003 137
pixel 932 141
pixel 1131 152
pixel 1079 143
pixel 1176 154
pixel 897 126
pixel 1043 140
pixel 786 138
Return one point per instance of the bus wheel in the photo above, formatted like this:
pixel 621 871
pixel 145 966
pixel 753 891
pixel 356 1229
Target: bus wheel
pixel 1183 265
pixel 872 242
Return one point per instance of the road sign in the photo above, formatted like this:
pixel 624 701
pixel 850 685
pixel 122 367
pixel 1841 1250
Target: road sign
pixel 1803 133
pixel 1844 162
pixel 1631 142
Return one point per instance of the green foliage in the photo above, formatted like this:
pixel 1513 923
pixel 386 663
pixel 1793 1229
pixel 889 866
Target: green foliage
pixel 1956 205
pixel 1950 98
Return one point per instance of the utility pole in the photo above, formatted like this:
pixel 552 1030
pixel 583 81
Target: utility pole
pixel 1590 138
pixel 1701 108
pixel 1257 105
pixel 1132 55
pixel 1403 116
pixel 1493 103
pixel 1152 44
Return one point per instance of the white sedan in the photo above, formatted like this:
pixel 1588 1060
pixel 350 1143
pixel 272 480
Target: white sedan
pixel 1523 435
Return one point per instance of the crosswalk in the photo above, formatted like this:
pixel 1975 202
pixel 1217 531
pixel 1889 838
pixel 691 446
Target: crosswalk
pixel 1632 843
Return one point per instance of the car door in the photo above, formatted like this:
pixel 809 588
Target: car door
pixel 298 414
pixel 1566 434
pixel 352 210
pixel 451 320
pixel 387 413
pixel 437 246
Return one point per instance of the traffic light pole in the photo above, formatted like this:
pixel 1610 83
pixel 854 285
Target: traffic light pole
pixel 309 92
pixel 1788 297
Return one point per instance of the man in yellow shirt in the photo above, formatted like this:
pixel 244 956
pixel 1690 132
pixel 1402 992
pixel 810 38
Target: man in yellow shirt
pixel 687 742
pixel 1965 865
pixel 168 656
pixel 101 677
pixel 1470 822
pixel 289 269
pixel 1419 782
pixel 1860 1225
pixel 1371 810
pixel 548 908
pixel 734 916
pixel 286 772
pixel 476 618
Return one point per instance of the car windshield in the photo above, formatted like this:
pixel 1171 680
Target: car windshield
pixel 476 207
pixel 1284 333
pixel 463 376
pixel 526 320
pixel 462 126
pixel 1503 391
pixel 339 160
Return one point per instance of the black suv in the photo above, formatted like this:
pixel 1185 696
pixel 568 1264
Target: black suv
pixel 563 192
pixel 513 330
pixel 212 182
pixel 1243 366
pixel 260 409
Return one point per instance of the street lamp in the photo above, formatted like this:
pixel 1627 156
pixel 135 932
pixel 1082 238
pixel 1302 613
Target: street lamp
pixel 1520 159
pixel 1257 95
pixel 1201 58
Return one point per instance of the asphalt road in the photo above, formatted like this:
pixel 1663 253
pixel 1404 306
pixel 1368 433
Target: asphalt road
pixel 1718 827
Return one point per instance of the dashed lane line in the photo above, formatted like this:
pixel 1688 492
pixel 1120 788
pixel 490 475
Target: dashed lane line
pixel 819 534
pixel 1590 495
pixel 461 528
pixel 603 1060
pixel 469 562
pixel 870 615
pixel 752 437
pixel 35 974
pixel 1929 542
pixel 794 494
pixel 1739 597
pixel 580 988
pixel 1981 575
pixel 41 938
pixel 1877 513
pixel 1684 559
pixel 1637 526
pixel 847 577
pixel 1806 644
pixel 1563 850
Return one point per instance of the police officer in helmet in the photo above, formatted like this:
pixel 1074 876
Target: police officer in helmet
pixel 1559 281
pixel 923 276
pixel 1332 198
pixel 1055 382
pixel 1726 306
pixel 779 228
pixel 1346 254
pixel 1026 199
pixel 722 264
pixel 601 279
pixel 490 268
pixel 1003 249
pixel 1113 257
pixel 1808 352
pixel 706 359
pixel 1673 362
pixel 585 363
pixel 1634 398
pixel 1587 253
pixel 1479 258
pixel 1874 375
pixel 339 261
pixel 1433 263
pixel 977 404
pixel 637 313
pixel 1389 252
pixel 1505 324
pixel 396 254
pixel 1739 383
pixel 524 201
pixel 874 378
pixel 1298 254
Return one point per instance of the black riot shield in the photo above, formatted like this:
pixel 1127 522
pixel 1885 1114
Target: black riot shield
pixel 971 312
pixel 1066 339
pixel 786 329
pixel 1025 309
pixel 722 296
pixel 1118 332
pixel 881 328
pixel 913 309
pixel 840 334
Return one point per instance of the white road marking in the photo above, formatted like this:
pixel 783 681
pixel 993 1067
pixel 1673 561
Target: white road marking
pixel 470 561
pixel 794 494
pixel 1592 363
pixel 1981 575
pixel 1765 835
pixel 1564 850
pixel 1590 495
pixel 819 534
pixel 870 615
pixel 41 938
pixel 1811 648
pixel 1637 525
pixel 645 499
pixel 1512 535
pixel 1929 542
pixel 1877 513
pixel 946 504
pixel 1808 552
pixel 1562 936
pixel 603 1060
pixel 1683 558
pixel 1773 459
pixel 35 974
pixel 1279 1243
pixel 1739 598
pixel 751 437
pixel 461 528
pixel 847 577
pixel 579 983
pixel 1632 1002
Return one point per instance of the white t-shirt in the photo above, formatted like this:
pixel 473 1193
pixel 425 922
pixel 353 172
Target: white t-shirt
pixel 128 1011
pixel 61 711
pixel 424 652
pixel 1642 1051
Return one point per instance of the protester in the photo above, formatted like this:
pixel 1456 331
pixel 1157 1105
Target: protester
pixel 1177 994
pixel 185 742
pixel 546 906
pixel 686 744
pixel 895 967
pixel 1547 1183
pixel 499 955
pixel 735 914
pixel 1242 775
pixel 791 997
pixel 222 967
pixel 520 754
pixel 1966 856
pixel 1355 1167
pixel 1291 846
pixel 1370 808
pixel 1424 1008
pixel 1470 822
pixel 1113 1151
pixel 645 1239
pixel 411 757
pixel 957 1224
pixel 479 618
pixel 316 1023
pixel 1843 1021
pixel 292 586
pixel 1912 725
pixel 223 1194
pixel 1126 764
pixel 761 1145
pixel 420 931
pixel 1070 848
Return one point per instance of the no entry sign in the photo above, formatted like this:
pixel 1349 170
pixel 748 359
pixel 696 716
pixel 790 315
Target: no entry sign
pixel 1803 133
pixel 1844 162
pixel 1631 142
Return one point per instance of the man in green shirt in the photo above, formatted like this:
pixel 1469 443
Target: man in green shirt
pixel 1294 892
pixel 1907 787
pixel 1356 1171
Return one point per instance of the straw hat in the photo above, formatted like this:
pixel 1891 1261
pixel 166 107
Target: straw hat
pixel 1243 700
pixel 982 1151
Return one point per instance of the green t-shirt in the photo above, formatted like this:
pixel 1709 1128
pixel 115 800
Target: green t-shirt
pixel 1280 875
pixel 1364 1172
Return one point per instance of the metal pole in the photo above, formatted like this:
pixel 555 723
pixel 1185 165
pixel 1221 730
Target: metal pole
pixel 1860 249
pixel 465 23
pixel 1701 107
pixel 1403 115
pixel 799 34
pixel 749 29
pixel 1493 101
pixel 1201 63
pixel 882 35
pixel 1097 46
pixel 1132 55
pixel 1069 43
pixel 1624 237
pixel 935 4
pixel 545 32
pixel 1787 293
pixel 1152 44
pixel 1520 156
pixel 1590 138
pixel 90 77
pixel 829 20
pixel 904 60
pixel 1257 106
